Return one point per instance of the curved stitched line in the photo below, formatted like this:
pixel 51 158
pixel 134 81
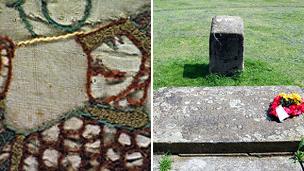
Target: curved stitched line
pixel 26 22
pixel 18 6
pixel 68 27
pixel 10 50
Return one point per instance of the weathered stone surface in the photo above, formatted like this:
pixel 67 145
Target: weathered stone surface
pixel 275 163
pixel 227 25
pixel 226 45
pixel 222 119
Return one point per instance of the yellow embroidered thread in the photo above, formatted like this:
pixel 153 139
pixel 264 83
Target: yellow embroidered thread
pixel 53 38
pixel 48 39
pixel 17 153
pixel 135 119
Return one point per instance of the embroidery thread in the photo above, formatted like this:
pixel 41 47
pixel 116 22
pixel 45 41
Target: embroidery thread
pixel 67 28
pixel 7 53
pixel 94 144
pixel 123 140
pixel 18 5
pixel 141 80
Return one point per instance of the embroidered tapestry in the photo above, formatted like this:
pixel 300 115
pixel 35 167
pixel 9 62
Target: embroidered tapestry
pixel 75 85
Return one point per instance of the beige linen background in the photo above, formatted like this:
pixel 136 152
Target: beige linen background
pixel 49 79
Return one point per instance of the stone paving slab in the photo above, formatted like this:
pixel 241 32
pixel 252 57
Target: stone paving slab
pixel 222 119
pixel 275 163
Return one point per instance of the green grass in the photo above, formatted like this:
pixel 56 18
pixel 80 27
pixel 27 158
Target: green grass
pixel 274 42
pixel 165 163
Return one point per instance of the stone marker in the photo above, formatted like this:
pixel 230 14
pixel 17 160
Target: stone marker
pixel 222 119
pixel 226 45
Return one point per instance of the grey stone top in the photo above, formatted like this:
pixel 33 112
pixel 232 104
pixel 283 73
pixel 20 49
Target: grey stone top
pixel 221 114
pixel 274 163
pixel 227 24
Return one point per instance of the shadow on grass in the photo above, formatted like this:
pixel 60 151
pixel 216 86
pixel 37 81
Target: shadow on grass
pixel 195 70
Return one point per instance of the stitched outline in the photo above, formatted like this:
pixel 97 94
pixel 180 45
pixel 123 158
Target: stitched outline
pixel 18 6
pixel 68 27
pixel 122 27
pixel 20 150
pixel 8 45
pixel 144 47
pixel 92 40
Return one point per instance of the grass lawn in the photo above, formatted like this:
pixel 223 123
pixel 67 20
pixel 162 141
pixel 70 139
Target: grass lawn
pixel 274 42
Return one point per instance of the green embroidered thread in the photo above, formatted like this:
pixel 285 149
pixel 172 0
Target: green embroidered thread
pixel 18 6
pixel 70 27
pixel 76 112
pixel 123 119
pixel 4 166
pixel 67 28
pixel 5 137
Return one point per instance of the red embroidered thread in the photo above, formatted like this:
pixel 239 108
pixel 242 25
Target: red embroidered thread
pixel 8 46
pixel 85 155
pixel 117 28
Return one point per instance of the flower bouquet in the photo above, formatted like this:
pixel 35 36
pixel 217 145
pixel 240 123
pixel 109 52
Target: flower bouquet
pixel 286 105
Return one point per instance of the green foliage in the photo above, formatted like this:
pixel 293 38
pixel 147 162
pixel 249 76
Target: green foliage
pixel 165 163
pixel 301 145
pixel 299 155
pixel 273 42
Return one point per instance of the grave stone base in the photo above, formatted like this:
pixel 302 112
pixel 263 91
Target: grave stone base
pixel 222 120
pixel 241 163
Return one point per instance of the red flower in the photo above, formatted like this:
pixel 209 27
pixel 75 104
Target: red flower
pixel 301 107
pixel 288 110
pixel 277 100
pixel 273 113
pixel 292 110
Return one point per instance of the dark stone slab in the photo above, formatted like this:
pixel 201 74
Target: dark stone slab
pixel 221 120
pixel 226 45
